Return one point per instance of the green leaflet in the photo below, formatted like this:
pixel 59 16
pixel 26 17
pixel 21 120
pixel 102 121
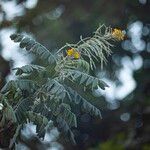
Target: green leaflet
pixel 8 114
pixel 86 79
pixel 13 140
pixel 55 88
pixel 67 115
pixel 27 69
pixel 80 65
pixel 62 110
pixel 34 47
pixel 39 120
pixel 63 127
pixel 21 110
pixel 85 105
pixel 22 84
pixel 11 85
pixel 53 105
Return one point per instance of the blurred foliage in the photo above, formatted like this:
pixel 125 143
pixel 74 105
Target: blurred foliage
pixel 115 143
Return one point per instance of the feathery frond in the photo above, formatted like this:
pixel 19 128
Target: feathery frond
pixel 60 84
pixel 34 47
pixel 95 47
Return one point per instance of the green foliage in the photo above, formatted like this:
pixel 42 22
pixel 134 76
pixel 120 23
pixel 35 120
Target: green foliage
pixel 27 69
pixel 8 114
pixel 22 84
pixel 85 79
pixel 111 145
pixel 146 147
pixel 95 48
pixel 47 92
pixel 34 47
pixel 39 120
pixel 116 143
pixel 22 109
pixel 85 105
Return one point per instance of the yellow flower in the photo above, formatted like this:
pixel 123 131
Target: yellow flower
pixel 70 52
pixel 73 53
pixel 118 34
pixel 76 55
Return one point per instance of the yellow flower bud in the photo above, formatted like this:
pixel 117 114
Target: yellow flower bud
pixel 76 55
pixel 70 52
pixel 118 34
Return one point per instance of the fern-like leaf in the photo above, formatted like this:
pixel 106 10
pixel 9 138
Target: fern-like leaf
pixel 23 84
pixel 21 110
pixel 39 120
pixel 67 115
pixel 34 47
pixel 55 88
pixel 64 128
pixel 85 79
pixel 85 105
pixel 8 114
pixel 28 69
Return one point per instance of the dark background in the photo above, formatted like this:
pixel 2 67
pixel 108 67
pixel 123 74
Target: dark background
pixel 125 123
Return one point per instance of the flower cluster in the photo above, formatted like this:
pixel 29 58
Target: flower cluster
pixel 118 34
pixel 73 53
